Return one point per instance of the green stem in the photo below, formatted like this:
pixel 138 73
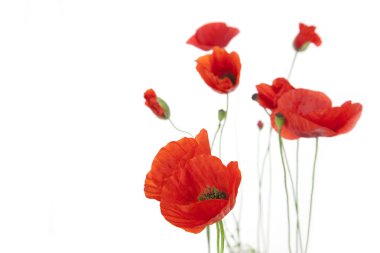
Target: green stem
pixel 259 215
pixel 176 128
pixel 297 182
pixel 298 226
pixel 221 230
pixel 312 194
pixel 216 133
pixel 221 130
pixel 208 239
pixel 286 187
pixel 292 66
pixel 217 237
pixel 266 249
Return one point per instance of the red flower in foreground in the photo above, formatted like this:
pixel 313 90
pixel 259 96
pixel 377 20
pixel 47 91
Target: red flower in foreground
pixel 306 36
pixel 268 95
pixel 220 70
pixel 213 35
pixel 156 104
pixel 310 113
pixel 194 188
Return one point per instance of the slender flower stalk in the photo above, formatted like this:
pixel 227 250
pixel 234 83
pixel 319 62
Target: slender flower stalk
pixel 270 189
pixel 176 128
pixel 297 199
pixel 216 133
pixel 221 130
pixel 312 194
pixel 259 213
pixel 286 187
pixel 222 236
pixel 292 66
pixel 208 239
pixel 217 237
pixel 296 203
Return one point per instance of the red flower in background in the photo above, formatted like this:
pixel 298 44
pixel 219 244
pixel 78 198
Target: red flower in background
pixel 310 113
pixel 220 70
pixel 156 104
pixel 194 188
pixel 268 95
pixel 213 35
pixel 306 36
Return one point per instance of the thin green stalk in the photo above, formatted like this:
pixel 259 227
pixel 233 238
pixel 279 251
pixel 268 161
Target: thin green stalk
pixel 221 130
pixel 297 181
pixel 266 248
pixel 312 194
pixel 259 216
pixel 217 237
pixel 292 66
pixel 216 133
pixel 286 188
pixel 176 128
pixel 298 225
pixel 222 236
pixel 208 239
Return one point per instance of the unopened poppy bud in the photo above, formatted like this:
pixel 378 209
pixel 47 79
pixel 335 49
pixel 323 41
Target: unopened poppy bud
pixel 255 97
pixel 222 114
pixel 158 106
pixel 280 120
pixel 260 124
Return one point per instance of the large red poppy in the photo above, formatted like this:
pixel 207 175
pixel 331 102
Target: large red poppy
pixel 156 104
pixel 194 188
pixel 213 35
pixel 306 36
pixel 310 113
pixel 220 70
pixel 171 158
pixel 268 95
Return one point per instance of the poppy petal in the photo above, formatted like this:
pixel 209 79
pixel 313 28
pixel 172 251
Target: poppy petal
pixel 203 143
pixel 297 126
pixel 213 34
pixel 303 101
pixel 165 164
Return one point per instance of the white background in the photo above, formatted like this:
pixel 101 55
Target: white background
pixel 76 139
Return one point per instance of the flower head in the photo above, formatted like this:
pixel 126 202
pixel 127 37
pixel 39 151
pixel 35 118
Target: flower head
pixel 194 188
pixel 268 95
pixel 310 113
pixel 220 70
pixel 156 104
pixel 306 36
pixel 213 35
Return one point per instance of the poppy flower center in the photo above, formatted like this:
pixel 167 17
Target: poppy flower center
pixel 230 76
pixel 212 193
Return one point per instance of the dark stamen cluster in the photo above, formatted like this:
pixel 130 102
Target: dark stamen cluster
pixel 231 77
pixel 212 193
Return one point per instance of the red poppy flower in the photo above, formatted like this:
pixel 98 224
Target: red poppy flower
pixel 220 70
pixel 200 193
pixel 213 35
pixel 306 36
pixel 268 95
pixel 170 158
pixel 310 113
pixel 194 188
pixel 156 104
